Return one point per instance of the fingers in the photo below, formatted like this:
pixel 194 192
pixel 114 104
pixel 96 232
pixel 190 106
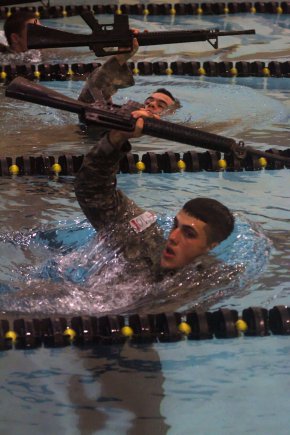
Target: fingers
pixel 135 45
pixel 118 137
pixel 144 113
pixel 139 127
pixel 123 57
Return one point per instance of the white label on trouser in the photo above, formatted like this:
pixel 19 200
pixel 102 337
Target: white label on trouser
pixel 143 221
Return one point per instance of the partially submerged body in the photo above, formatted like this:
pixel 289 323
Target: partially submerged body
pixel 13 40
pixel 129 230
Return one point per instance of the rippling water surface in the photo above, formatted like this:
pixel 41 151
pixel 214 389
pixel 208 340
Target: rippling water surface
pixel 54 261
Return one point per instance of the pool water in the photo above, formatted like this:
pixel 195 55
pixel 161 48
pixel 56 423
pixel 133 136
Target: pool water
pixel 210 386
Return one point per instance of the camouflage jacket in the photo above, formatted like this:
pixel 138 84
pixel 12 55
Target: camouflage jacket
pixel 7 56
pixel 133 233
pixel 101 84
pixel 104 82
pixel 125 226
pixel 128 228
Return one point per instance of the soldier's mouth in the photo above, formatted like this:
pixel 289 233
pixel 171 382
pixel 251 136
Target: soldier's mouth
pixel 168 252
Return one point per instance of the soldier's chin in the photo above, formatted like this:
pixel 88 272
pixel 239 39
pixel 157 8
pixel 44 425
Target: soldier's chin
pixel 167 264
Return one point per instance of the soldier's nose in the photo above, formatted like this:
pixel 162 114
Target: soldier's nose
pixel 173 237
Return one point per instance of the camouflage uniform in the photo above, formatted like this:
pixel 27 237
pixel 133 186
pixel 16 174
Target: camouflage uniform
pixel 104 82
pixel 109 210
pixel 7 56
pixel 112 213
pixel 5 49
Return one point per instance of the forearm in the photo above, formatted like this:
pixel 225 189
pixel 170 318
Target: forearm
pixel 95 184
pixel 104 82
pixel 109 209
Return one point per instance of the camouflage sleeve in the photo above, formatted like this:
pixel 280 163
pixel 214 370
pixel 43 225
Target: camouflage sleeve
pixel 104 82
pixel 95 186
pixel 3 48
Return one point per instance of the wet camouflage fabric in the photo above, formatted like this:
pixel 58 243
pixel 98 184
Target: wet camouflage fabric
pixel 101 84
pixel 108 209
pixel 7 55
pixel 104 82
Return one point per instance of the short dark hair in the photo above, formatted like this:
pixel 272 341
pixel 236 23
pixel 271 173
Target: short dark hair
pixel 169 94
pixel 16 22
pixel 219 219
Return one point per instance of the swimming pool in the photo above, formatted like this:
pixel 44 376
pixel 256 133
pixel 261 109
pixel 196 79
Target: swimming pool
pixel 206 386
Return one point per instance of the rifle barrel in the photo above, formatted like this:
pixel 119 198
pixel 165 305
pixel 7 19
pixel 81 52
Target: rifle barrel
pixel 203 139
pixel 187 135
pixel 179 36
pixel 237 32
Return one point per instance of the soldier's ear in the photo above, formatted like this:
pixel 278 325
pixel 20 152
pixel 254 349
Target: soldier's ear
pixel 16 41
pixel 213 245
pixel 14 38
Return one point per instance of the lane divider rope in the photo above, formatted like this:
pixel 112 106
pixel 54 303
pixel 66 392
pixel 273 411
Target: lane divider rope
pixel 150 162
pixel 61 11
pixel 79 71
pixel 59 331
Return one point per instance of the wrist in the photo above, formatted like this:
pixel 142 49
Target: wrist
pixel 116 137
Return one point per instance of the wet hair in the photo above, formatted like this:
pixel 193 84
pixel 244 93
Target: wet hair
pixel 169 94
pixel 16 22
pixel 219 219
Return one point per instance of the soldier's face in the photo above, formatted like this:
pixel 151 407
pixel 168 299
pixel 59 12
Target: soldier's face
pixel 187 241
pixel 19 40
pixel 158 103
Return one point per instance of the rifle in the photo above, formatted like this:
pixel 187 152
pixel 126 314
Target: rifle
pixel 22 89
pixel 16 2
pixel 118 34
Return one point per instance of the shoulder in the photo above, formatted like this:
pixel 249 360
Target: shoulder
pixel 4 48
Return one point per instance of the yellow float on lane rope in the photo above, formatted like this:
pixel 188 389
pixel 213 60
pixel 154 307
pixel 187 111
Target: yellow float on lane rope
pixel 263 162
pixel 185 328
pixel 241 325
pixel 56 168
pixel 11 335
pixel 14 169
pixel 70 333
pixel 127 331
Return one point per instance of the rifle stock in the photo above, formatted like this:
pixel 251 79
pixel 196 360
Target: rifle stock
pixel 16 2
pixel 22 89
pixel 118 35
pixel 103 36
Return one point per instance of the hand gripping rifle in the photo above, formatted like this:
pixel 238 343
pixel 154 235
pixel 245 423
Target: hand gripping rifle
pixel 22 89
pixel 106 39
